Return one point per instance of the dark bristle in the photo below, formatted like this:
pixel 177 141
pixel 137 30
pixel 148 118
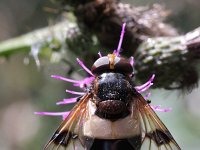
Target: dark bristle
pixel 149 101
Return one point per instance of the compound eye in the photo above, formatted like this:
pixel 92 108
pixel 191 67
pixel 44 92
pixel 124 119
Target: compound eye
pixel 118 64
pixel 100 65
pixel 124 66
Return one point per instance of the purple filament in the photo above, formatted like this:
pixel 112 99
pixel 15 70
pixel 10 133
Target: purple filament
pixel 147 96
pixel 121 39
pixel 65 79
pixel 84 82
pixel 99 53
pixel 158 108
pixel 74 92
pixel 84 67
pixel 67 101
pixel 131 60
pixel 79 83
pixel 63 114
pixel 115 52
pixel 146 88
pixel 146 85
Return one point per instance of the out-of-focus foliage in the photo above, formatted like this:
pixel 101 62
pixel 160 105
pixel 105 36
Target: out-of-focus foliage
pixel 24 88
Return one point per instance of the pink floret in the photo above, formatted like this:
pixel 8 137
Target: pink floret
pixel 67 101
pixel 99 53
pixel 132 60
pixel 80 83
pixel 147 96
pixel 158 108
pixel 84 67
pixel 63 114
pixel 121 40
pixel 145 86
pixel 74 92
pixel 84 82
pixel 64 79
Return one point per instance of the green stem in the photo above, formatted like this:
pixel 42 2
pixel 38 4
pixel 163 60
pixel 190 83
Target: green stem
pixel 23 43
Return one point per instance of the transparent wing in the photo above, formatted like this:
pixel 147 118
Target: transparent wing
pixel 153 133
pixel 69 135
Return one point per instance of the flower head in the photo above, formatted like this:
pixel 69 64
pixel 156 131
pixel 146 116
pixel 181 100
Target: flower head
pixel 86 82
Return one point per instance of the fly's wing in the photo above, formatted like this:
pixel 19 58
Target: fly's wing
pixel 69 135
pixel 153 134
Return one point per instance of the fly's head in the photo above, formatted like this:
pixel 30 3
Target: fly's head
pixel 112 88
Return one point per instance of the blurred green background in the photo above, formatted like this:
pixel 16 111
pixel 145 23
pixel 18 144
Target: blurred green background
pixel 25 88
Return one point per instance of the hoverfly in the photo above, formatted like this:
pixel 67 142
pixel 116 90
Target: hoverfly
pixel 112 114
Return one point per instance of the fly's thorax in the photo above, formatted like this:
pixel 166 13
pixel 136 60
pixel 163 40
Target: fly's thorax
pixel 113 93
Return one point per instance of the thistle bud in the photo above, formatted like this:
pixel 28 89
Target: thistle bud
pixel 172 59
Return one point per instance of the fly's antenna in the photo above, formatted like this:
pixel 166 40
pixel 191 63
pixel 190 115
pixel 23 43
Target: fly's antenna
pixel 121 40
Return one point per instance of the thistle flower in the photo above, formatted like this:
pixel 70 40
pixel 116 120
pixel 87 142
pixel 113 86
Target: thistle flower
pixel 86 83
pixel 140 89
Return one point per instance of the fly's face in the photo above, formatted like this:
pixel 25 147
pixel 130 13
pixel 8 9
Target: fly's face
pixel 112 63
